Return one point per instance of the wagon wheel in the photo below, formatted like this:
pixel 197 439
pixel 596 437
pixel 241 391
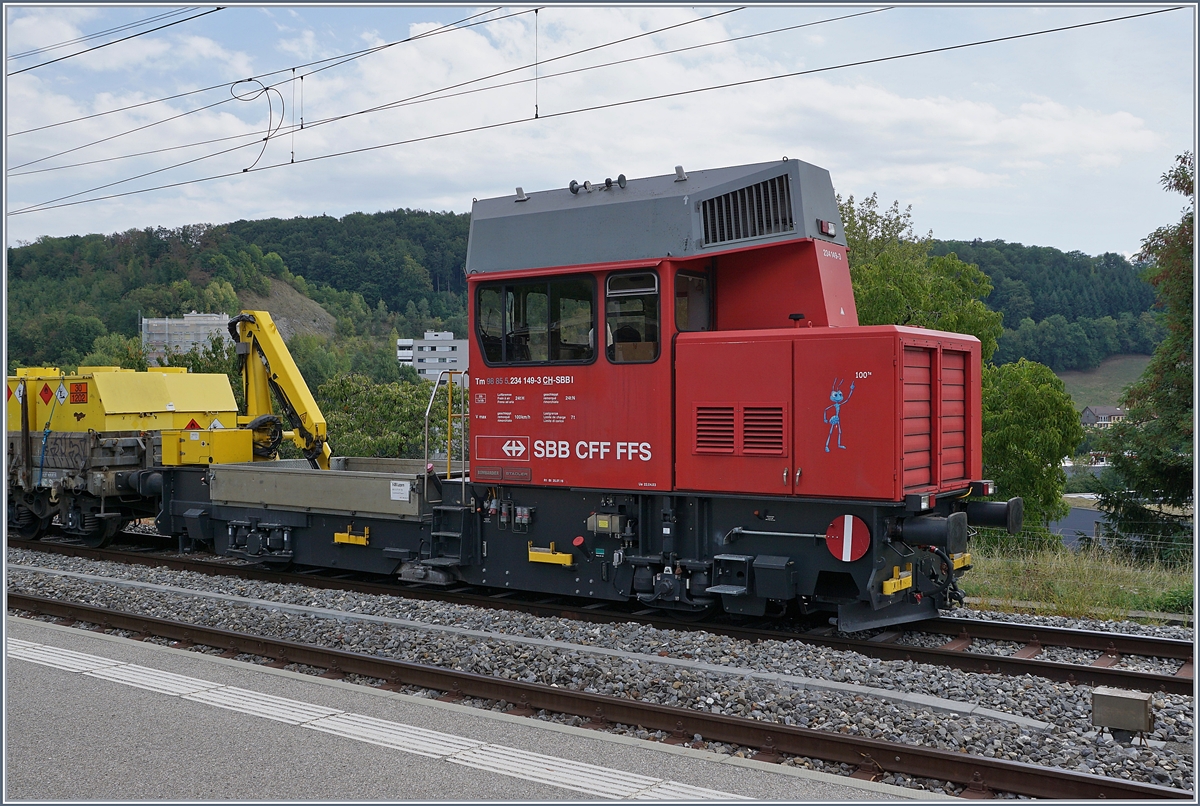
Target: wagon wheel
pixel 24 524
pixel 103 534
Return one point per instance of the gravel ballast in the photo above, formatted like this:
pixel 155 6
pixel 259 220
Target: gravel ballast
pixel 642 673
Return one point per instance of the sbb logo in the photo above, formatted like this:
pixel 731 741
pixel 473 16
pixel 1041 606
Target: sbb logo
pixel 551 449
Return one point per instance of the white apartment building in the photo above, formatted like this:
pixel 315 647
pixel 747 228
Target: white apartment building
pixel 181 335
pixel 430 356
pixel 404 352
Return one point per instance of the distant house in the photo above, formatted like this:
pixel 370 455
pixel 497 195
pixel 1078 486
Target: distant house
pixel 1101 416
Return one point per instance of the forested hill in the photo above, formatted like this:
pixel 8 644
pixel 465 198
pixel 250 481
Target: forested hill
pixel 1037 282
pixel 367 253
pixel 1064 309
pixel 389 274
pixel 400 272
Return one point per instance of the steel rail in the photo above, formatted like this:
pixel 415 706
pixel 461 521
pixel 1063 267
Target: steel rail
pixel 1075 674
pixel 979 774
pixel 1174 648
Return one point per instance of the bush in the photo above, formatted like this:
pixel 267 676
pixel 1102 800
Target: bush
pixel 1176 600
pixel 380 419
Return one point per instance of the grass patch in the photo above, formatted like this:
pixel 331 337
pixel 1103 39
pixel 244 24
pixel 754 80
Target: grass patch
pixel 1103 385
pixel 1090 582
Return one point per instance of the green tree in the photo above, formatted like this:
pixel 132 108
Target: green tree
pixel 377 362
pixel 1029 427
pixel 316 362
pixel 53 339
pixel 898 282
pixel 115 350
pixel 376 419
pixel 1152 448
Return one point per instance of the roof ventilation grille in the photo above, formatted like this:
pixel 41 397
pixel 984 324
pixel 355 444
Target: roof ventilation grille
pixel 749 212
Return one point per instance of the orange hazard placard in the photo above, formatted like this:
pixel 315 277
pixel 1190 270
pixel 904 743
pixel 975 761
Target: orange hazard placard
pixel 79 393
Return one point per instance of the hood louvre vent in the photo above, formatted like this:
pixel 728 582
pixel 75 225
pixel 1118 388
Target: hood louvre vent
pixel 762 431
pixel 714 429
pixel 749 212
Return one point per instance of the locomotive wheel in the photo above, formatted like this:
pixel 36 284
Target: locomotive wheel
pixel 680 614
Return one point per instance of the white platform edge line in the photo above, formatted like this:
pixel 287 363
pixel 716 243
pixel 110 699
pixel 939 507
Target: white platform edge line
pixel 153 679
pixel 280 712
pixel 391 742
pixel 53 651
pixel 675 791
pixel 562 773
pixel 70 663
pixel 502 753
pixel 532 775
pixel 392 734
pixel 236 694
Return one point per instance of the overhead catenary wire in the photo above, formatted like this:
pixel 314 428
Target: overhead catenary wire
pixel 77 40
pixel 163 150
pixel 227 100
pixel 292 161
pixel 114 42
pixel 535 64
pixel 453 26
pixel 114 183
pixel 612 105
pixel 437 95
pixel 262 91
pixel 302 125
pixel 453 86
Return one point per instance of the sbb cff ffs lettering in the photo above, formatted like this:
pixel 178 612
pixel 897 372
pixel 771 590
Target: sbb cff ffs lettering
pixel 561 449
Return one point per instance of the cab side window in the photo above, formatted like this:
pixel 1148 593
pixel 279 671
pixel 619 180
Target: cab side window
pixel 693 304
pixel 537 322
pixel 525 323
pixel 489 322
pixel 572 329
pixel 631 311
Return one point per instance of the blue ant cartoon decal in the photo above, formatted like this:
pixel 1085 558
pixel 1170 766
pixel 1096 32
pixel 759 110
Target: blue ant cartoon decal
pixel 835 422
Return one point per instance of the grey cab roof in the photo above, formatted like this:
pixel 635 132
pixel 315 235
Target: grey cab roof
pixel 648 219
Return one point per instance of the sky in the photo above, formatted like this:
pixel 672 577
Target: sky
pixel 1057 139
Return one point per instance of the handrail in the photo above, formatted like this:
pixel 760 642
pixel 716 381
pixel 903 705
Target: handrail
pixel 449 374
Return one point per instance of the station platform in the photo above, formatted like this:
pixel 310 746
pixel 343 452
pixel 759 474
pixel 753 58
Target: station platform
pixel 91 716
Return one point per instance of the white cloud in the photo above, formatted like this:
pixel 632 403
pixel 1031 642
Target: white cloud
pixel 304 46
pixel 202 50
pixel 39 28
pixel 941 141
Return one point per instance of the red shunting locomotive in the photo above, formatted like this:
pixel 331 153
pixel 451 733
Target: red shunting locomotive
pixel 670 382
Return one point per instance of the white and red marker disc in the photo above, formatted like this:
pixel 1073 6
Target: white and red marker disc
pixel 847 538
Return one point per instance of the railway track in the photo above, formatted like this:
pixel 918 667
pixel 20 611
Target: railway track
pixel 954 653
pixel 873 757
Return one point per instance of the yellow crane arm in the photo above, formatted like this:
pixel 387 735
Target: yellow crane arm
pixel 268 370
